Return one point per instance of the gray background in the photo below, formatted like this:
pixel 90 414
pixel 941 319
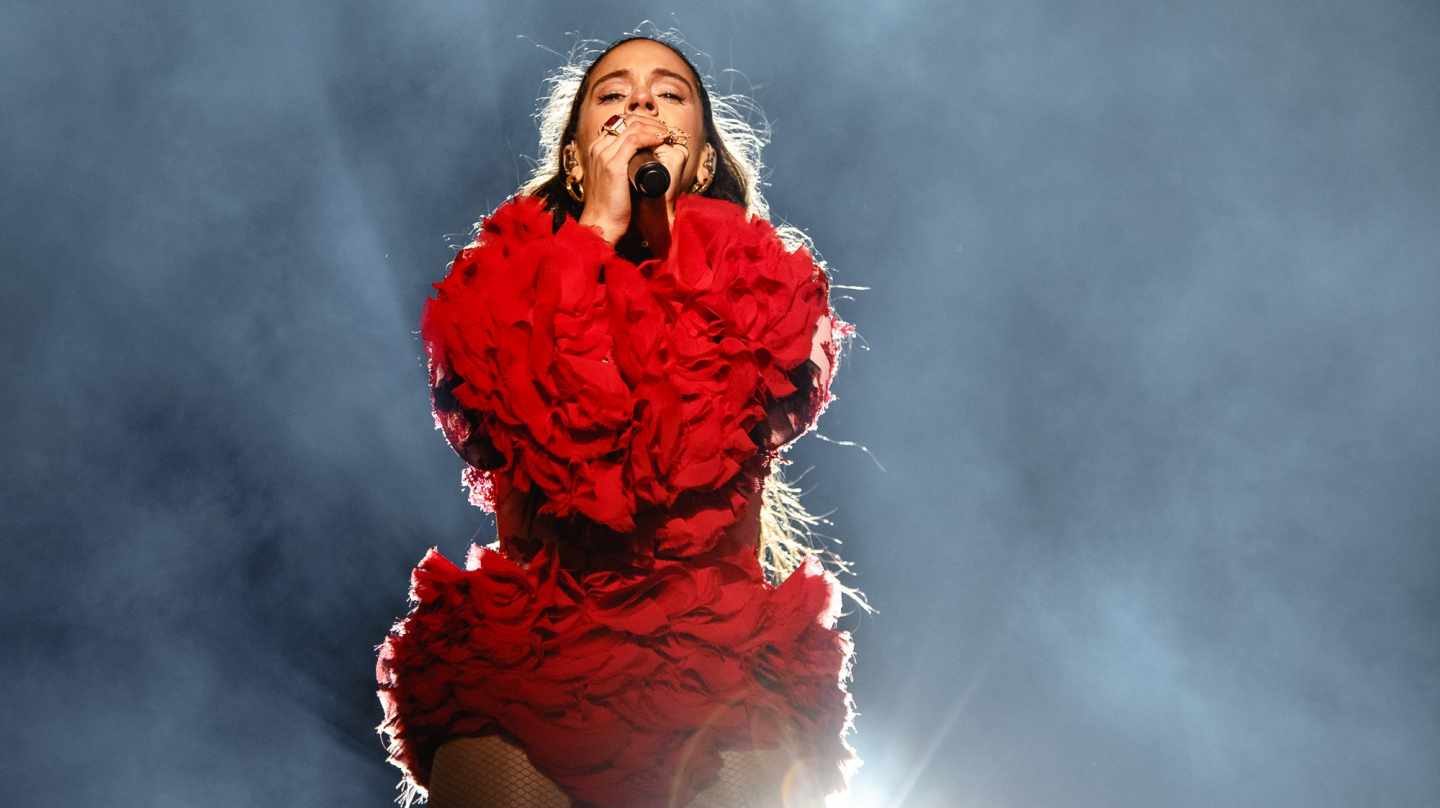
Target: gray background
pixel 1151 373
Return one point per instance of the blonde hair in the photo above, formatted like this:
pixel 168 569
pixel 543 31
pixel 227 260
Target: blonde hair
pixel 787 530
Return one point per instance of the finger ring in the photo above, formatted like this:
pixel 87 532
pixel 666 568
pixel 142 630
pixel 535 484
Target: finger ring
pixel 614 125
pixel 677 138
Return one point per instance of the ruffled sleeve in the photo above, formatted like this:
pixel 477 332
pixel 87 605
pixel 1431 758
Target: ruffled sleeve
pixel 516 355
pixel 775 300
pixel 461 427
pixel 789 417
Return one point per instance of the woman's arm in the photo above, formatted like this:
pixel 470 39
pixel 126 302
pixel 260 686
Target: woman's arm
pixel 467 326
pixel 462 428
pixel 792 416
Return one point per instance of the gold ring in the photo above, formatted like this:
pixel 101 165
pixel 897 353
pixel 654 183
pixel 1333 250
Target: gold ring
pixel 676 137
pixel 614 126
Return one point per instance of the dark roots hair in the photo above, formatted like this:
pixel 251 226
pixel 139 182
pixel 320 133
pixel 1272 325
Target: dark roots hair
pixel 729 182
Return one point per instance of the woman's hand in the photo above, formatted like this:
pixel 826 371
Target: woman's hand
pixel 608 205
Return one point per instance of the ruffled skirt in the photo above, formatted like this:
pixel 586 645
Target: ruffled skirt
pixel 622 686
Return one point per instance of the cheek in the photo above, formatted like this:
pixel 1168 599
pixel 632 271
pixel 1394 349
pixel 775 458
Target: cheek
pixel 588 125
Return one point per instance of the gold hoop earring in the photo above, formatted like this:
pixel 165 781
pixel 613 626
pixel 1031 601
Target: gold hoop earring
pixel 696 187
pixel 570 188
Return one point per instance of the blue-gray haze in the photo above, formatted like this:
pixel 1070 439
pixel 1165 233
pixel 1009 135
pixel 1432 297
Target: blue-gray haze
pixel 1148 381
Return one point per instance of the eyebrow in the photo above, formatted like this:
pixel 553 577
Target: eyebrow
pixel 659 70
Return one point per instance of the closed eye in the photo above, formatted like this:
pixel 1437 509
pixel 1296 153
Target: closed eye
pixel 605 99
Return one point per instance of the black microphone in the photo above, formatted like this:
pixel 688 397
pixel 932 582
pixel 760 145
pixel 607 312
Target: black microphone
pixel 648 176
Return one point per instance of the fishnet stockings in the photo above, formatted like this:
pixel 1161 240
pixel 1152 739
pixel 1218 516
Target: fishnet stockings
pixel 488 772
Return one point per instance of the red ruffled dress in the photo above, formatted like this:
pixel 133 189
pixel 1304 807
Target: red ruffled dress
pixel 620 419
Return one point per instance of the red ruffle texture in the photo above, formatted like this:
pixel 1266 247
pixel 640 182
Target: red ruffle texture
pixel 613 387
pixel 622 688
pixel 625 633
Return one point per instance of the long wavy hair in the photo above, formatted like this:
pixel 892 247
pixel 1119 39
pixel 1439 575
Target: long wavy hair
pixel 788 532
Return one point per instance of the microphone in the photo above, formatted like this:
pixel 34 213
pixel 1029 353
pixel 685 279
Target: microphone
pixel 648 176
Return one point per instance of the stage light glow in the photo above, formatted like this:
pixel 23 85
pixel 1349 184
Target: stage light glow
pixel 851 800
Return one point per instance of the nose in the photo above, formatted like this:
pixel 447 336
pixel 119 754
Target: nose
pixel 642 101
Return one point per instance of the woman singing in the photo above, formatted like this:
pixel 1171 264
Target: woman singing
pixel 620 373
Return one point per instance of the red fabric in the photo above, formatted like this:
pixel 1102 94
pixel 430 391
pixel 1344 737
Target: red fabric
pixel 620 419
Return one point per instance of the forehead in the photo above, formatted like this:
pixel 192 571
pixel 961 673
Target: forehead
pixel 640 56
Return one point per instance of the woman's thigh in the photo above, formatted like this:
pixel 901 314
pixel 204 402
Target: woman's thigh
pixel 759 779
pixel 489 772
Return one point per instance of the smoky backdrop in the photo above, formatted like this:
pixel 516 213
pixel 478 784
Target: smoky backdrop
pixel 1138 456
